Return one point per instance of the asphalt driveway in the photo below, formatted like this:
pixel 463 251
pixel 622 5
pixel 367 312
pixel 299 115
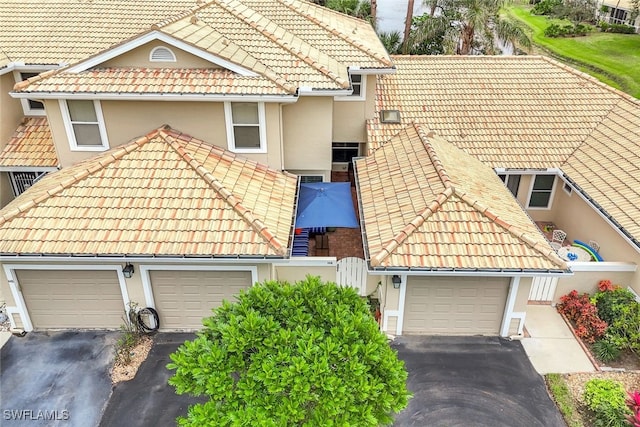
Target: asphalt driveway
pixel 55 378
pixel 148 398
pixel 473 381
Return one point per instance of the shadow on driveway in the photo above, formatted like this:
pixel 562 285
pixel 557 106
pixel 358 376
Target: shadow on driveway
pixel 55 378
pixel 147 399
pixel 473 381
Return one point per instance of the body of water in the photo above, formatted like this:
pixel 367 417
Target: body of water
pixel 391 14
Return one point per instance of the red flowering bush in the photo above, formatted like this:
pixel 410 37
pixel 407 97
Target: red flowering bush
pixel 583 313
pixel 606 285
pixel 633 403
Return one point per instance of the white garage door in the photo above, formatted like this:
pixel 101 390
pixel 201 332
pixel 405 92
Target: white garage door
pixel 63 299
pixel 454 306
pixel 184 297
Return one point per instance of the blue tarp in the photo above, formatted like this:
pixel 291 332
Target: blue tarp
pixel 326 204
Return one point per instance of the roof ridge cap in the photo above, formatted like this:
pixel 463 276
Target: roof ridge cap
pixel 236 204
pixel 83 171
pixel 292 5
pixel 177 17
pixel 251 21
pixel 545 250
pixel 435 159
pixel 411 227
pixel 21 85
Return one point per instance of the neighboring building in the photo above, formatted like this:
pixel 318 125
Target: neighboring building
pixel 181 131
pixel 619 12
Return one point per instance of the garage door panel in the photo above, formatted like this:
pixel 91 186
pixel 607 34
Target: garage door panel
pixel 63 299
pixel 454 306
pixel 184 298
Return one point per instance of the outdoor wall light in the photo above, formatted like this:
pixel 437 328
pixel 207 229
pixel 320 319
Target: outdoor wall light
pixel 128 270
pixel 396 281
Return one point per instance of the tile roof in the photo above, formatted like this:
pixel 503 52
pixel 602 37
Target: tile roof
pixel 425 204
pixel 508 111
pixel 525 112
pixel 162 194
pixel 66 31
pixel 30 146
pixel 165 81
pixel 293 43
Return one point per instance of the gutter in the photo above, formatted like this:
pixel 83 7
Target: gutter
pixel 153 259
pixel 498 272
pixel 154 97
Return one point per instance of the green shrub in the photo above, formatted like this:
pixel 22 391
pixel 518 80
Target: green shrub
pixel 616 28
pixel 283 354
pixel 606 398
pixel 545 7
pixel 607 349
pixel 621 311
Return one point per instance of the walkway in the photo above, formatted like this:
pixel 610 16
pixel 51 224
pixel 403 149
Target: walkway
pixel 551 347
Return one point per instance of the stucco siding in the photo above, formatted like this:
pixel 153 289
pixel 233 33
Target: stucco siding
pixel 307 128
pixel 139 57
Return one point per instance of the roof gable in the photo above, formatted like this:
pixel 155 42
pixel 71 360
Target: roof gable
pixel 163 194
pixel 425 205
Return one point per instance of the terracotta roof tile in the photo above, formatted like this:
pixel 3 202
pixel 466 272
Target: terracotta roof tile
pixel 166 81
pixel 455 213
pixel 524 112
pixel 30 146
pixel 163 194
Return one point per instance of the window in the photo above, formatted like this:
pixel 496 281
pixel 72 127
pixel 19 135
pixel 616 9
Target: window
pixel 162 54
pixel 84 124
pixel 541 191
pixel 21 181
pixel 309 179
pixel 245 126
pixel 512 182
pixel 31 107
pixel 344 152
pixel 358 85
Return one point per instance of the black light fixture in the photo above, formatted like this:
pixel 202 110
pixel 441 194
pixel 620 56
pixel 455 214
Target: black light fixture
pixel 396 281
pixel 128 270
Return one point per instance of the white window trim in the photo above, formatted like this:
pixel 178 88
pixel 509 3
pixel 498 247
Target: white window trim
pixel 231 142
pixel 363 91
pixel 551 197
pixel 26 108
pixel 66 118
pixel 153 51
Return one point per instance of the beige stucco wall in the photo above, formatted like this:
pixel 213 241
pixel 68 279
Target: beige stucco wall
pixel 586 281
pixel 307 129
pixel 349 116
pixel 127 120
pixel 6 194
pixel 139 57
pixel 294 274
pixel 11 112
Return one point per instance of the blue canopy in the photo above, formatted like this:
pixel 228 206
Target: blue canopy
pixel 326 204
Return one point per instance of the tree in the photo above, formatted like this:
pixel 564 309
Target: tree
pixel 576 11
pixel 358 8
pixel 392 41
pixel 408 21
pixel 303 354
pixel 470 27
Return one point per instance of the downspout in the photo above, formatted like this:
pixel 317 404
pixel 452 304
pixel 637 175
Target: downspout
pixel 281 139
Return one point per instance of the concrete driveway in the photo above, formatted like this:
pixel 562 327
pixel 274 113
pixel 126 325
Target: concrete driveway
pixel 55 378
pixel 473 381
pixel 148 398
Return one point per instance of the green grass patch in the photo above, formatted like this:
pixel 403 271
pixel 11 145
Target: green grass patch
pixel 611 58
pixel 564 401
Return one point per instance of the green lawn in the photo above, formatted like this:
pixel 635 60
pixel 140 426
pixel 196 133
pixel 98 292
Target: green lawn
pixel 612 58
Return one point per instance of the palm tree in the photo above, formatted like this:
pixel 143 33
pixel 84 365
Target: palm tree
pixel 391 41
pixel 471 26
pixel 407 27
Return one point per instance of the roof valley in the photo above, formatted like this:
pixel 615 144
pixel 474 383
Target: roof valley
pixel 256 224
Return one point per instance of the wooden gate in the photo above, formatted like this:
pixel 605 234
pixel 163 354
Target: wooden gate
pixel 352 271
pixel 543 289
